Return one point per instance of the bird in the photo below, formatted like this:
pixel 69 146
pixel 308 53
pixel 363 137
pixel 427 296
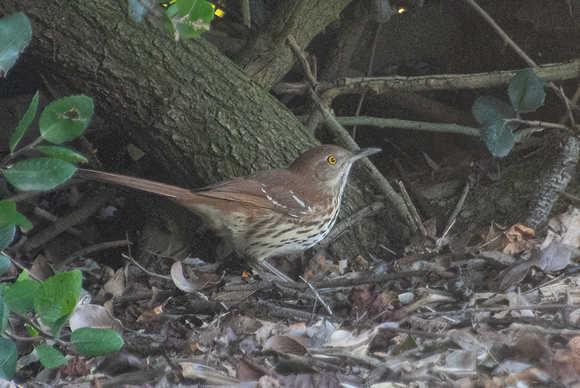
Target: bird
pixel 273 212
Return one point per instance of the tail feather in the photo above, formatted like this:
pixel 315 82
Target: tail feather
pixel 136 183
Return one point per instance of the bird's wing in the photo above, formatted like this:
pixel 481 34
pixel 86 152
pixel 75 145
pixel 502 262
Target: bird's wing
pixel 263 190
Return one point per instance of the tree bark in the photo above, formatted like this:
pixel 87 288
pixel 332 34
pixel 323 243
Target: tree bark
pixel 186 105
pixel 266 57
pixel 191 109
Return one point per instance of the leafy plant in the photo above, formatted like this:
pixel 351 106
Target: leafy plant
pixel 15 35
pixel 188 18
pixel 45 306
pixel 526 93
pixel 61 121
pixel 185 18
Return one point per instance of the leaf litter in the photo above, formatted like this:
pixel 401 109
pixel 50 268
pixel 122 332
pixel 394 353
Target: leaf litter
pixel 505 312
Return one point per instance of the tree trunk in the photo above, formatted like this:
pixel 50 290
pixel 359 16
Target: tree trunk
pixel 267 57
pixel 186 105
pixel 191 109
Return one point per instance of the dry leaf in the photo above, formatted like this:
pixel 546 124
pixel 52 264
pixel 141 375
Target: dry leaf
pixel 92 315
pixel 284 345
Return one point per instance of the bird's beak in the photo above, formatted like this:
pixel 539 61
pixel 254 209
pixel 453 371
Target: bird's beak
pixel 359 154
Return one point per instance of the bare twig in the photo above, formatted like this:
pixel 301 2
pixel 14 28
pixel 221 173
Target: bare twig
pixel 535 123
pixel 380 85
pixel 369 72
pixel 318 296
pixel 412 209
pixel 408 124
pixel 150 273
pixel 346 141
pixel 519 51
pixel 78 216
pixel 94 248
pixel 303 62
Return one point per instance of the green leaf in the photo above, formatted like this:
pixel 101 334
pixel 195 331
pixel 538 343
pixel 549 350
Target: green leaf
pixel 189 18
pixel 498 137
pixel 15 34
pixel 4 311
pixel 24 123
pixel 66 119
pixel 135 152
pixel 49 357
pixel 8 358
pixel 96 342
pixel 19 297
pixel 9 215
pixel 6 236
pixel 526 91
pixel 57 297
pixel 497 134
pixel 31 330
pixel 4 262
pixel 486 109
pixel 39 174
pixel 62 153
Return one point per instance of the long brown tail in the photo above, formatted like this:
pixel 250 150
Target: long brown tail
pixel 136 183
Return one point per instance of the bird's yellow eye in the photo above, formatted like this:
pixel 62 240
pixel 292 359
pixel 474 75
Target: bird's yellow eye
pixel 331 160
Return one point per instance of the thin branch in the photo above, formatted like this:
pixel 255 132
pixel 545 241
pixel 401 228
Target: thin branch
pixel 412 209
pixel 379 85
pixel 303 62
pixel 535 123
pixel 501 33
pixel 345 140
pixel 95 248
pixel 408 124
pixel 150 273
pixel 520 52
pixel 318 297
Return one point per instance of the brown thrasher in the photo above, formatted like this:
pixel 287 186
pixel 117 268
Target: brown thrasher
pixel 269 213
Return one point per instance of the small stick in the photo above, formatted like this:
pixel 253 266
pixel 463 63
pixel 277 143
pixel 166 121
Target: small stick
pixel 318 296
pixel 412 209
pixel 95 248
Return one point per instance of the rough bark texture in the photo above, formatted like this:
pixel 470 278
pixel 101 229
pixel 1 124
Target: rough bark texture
pixel 184 103
pixel 193 112
pixel 266 57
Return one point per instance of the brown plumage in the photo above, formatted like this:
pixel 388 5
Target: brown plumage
pixel 271 212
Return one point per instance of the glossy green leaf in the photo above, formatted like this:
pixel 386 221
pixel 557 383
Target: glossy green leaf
pixel 189 18
pixel 4 311
pixel 20 296
pixel 9 215
pixel 24 123
pixel 57 296
pixel 526 91
pixel 39 174
pixel 486 109
pixel 8 358
pixel 31 330
pixel 15 34
pixel 4 262
pixel 497 134
pixel 96 342
pixel 6 236
pixel 66 119
pixel 498 137
pixel 62 153
pixel 49 357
